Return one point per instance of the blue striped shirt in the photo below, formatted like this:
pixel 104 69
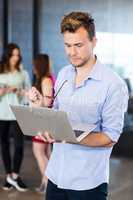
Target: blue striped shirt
pixel 101 99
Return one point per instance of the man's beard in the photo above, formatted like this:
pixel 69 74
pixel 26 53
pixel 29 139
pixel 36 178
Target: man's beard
pixel 81 64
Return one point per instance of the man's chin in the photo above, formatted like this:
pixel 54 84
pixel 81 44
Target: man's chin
pixel 76 64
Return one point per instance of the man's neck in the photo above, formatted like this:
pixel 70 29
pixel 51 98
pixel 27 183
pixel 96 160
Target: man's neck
pixel 85 70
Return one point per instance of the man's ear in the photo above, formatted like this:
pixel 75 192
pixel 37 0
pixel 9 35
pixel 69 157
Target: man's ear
pixel 94 41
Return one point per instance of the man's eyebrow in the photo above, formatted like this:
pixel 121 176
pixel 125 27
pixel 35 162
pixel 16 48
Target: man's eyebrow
pixel 75 44
pixel 79 43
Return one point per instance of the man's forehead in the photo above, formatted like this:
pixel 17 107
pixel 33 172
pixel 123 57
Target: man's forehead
pixel 80 30
pixel 79 36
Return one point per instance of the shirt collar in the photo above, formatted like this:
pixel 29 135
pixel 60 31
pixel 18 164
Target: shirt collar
pixel 95 73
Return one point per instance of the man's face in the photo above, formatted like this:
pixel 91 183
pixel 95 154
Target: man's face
pixel 78 47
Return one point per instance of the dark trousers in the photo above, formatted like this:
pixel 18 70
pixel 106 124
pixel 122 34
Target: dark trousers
pixel 11 164
pixel 55 193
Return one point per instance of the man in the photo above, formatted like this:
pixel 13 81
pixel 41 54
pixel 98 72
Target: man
pixel 90 94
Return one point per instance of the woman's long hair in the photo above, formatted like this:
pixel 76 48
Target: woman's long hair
pixel 7 54
pixel 41 69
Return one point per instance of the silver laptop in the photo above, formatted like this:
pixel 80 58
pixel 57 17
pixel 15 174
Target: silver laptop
pixel 34 120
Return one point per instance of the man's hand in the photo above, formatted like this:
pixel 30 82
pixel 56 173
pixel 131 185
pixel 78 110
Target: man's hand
pixel 35 97
pixel 46 137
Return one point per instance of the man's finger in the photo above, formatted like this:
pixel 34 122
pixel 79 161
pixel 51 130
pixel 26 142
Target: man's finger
pixel 42 136
pixel 49 137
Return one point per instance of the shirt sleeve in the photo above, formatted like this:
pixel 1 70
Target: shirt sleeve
pixel 114 109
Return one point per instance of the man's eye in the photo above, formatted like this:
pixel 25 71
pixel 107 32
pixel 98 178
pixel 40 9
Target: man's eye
pixel 67 45
pixel 79 45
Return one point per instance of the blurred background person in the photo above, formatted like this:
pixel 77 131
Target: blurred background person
pixel 44 82
pixel 14 81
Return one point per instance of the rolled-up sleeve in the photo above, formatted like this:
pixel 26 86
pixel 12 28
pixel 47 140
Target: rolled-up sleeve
pixel 114 109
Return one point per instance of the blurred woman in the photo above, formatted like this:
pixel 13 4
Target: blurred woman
pixel 44 83
pixel 13 84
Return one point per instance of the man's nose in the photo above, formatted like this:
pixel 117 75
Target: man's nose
pixel 73 51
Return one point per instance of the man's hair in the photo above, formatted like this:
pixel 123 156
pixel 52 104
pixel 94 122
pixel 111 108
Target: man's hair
pixel 74 20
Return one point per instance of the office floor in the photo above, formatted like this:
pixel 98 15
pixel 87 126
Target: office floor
pixel 121 179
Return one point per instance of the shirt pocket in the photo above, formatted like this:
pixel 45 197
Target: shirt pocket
pixel 90 112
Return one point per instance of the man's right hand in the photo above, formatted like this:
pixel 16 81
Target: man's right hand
pixel 46 137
